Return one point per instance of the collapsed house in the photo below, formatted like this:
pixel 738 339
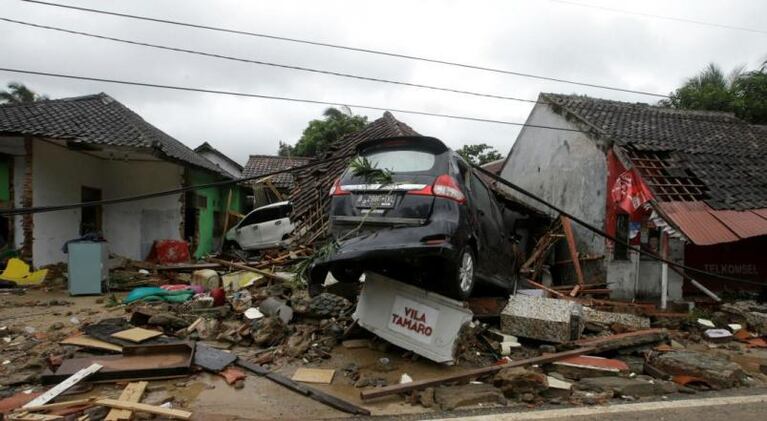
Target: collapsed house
pixel 687 185
pixel 90 148
pixel 275 188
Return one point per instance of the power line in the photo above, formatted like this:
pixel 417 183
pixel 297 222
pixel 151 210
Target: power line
pixel 602 233
pixel 266 63
pixel 282 98
pixel 349 48
pixel 650 15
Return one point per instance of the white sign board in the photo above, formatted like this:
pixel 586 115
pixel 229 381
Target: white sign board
pixel 413 319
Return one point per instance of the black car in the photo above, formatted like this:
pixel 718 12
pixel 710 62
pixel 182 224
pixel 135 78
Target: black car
pixel 438 225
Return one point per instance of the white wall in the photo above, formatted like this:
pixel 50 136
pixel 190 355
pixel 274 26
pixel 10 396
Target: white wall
pixel 223 163
pixel 565 168
pixel 58 177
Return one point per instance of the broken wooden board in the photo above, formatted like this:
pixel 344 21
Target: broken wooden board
pixel 142 407
pixel 26 416
pixel 131 393
pixel 137 362
pixel 136 334
pixel 62 387
pixel 624 340
pixel 57 405
pixel 314 375
pixel 86 341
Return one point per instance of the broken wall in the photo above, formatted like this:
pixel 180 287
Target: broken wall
pixel 210 218
pixel 565 168
pixel 60 173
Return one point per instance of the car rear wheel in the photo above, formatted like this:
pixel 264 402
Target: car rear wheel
pixel 462 281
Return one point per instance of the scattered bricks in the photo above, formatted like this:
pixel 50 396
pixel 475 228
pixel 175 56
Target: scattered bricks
pixel 451 397
pixel 606 318
pixel 515 381
pixel 622 386
pixel 717 371
pixel 546 319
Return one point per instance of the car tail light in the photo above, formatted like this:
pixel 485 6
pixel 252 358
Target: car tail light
pixel 337 189
pixel 444 186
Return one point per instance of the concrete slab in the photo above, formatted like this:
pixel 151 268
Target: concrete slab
pixel 546 319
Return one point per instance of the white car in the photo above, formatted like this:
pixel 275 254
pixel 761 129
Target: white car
pixel 265 227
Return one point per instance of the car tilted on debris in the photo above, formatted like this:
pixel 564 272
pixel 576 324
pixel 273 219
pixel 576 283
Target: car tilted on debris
pixel 436 224
pixel 264 227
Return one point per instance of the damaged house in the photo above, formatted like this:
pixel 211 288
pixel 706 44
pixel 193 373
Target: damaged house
pixel 276 188
pixel 688 185
pixel 89 148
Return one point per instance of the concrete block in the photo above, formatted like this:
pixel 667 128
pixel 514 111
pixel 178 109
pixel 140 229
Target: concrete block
pixel 452 397
pixel 546 319
pixel 608 318
pixel 717 371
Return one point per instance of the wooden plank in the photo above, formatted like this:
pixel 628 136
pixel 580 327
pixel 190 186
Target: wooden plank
pixel 56 405
pixel 142 407
pixel 545 288
pixel 131 393
pixel 26 416
pixel 623 340
pixel 63 386
pixel 314 375
pixel 567 227
pixel 136 334
pixel 469 374
pixel 88 342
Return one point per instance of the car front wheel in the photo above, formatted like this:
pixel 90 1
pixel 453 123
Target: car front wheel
pixel 462 281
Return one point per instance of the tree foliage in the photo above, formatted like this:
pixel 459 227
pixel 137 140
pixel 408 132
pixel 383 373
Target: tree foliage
pixel 320 134
pixel 741 92
pixel 17 93
pixel 479 154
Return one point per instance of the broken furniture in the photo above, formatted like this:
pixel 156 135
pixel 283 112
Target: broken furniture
pixel 415 319
pixel 17 271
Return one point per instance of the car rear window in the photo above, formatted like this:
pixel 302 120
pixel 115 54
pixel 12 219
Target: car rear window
pixel 402 161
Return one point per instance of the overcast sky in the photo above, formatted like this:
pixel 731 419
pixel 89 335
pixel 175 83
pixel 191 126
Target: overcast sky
pixel 531 36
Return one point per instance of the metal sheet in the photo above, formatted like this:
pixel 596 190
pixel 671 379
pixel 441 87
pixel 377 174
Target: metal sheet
pixel 706 226
pixel 744 223
pixel 697 224
pixel 412 318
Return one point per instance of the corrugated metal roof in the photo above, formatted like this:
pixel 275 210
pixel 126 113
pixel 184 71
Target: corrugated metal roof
pixel 705 226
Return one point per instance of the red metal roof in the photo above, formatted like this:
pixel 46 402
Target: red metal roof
pixel 706 226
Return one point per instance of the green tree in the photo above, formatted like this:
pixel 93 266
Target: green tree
pixel 479 154
pixel 743 93
pixel 320 134
pixel 17 93
pixel 285 149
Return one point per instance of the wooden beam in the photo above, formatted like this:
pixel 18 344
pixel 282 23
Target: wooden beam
pixel 65 404
pixel 545 288
pixel 568 229
pixel 142 407
pixel 469 374
pixel 244 267
pixel 131 393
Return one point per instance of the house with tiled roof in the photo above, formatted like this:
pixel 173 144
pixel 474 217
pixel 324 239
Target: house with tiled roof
pixel 687 185
pixel 277 187
pixel 220 159
pixel 89 148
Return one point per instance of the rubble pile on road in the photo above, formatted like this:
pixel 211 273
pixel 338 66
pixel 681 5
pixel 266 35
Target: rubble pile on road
pixel 242 318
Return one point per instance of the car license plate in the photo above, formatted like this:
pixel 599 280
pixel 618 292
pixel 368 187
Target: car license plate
pixel 375 201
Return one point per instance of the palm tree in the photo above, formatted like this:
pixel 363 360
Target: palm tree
pixel 710 90
pixel 17 93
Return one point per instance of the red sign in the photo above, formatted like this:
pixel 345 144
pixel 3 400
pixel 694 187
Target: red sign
pixel 629 193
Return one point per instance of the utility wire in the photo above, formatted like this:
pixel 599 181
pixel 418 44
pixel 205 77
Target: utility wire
pixel 649 15
pixel 266 63
pixel 349 48
pixel 53 208
pixel 282 98
pixel 603 233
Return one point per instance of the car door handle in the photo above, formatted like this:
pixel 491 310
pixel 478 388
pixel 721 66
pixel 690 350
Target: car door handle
pixel 278 223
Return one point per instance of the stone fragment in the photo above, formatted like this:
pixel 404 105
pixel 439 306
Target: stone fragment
pixel 580 367
pixel 546 319
pixel 717 371
pixel 451 397
pixel 623 386
pixel 609 318
pixel 426 397
pixel 515 381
